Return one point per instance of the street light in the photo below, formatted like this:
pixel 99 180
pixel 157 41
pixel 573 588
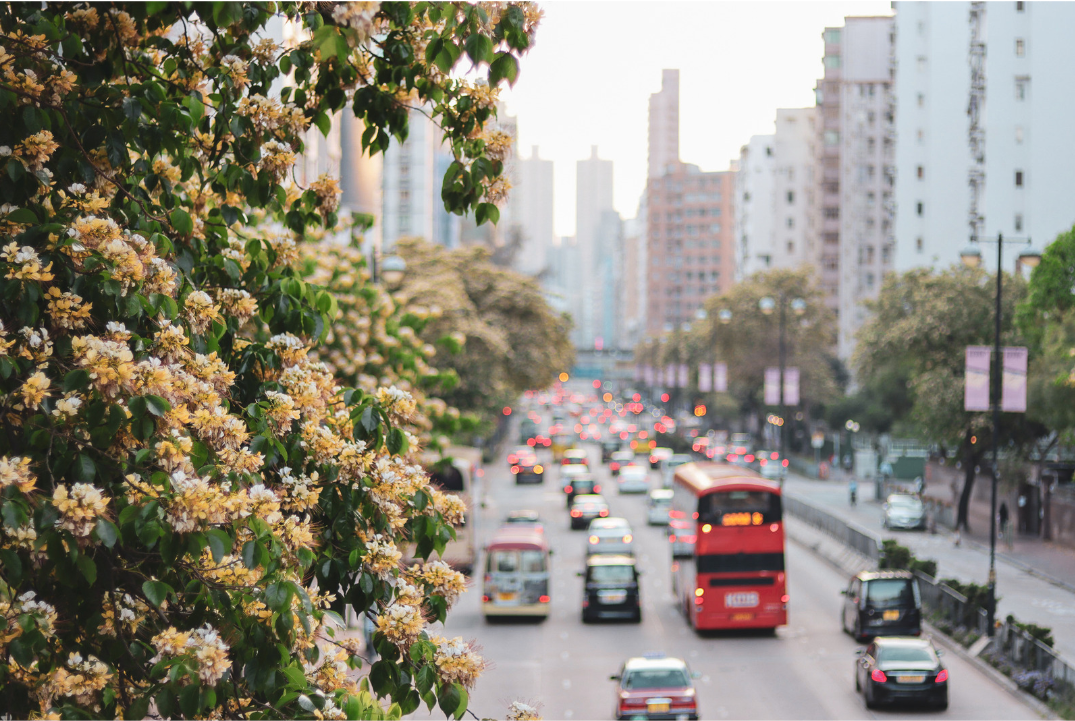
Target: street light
pixel 392 269
pixel 972 257
pixel 725 316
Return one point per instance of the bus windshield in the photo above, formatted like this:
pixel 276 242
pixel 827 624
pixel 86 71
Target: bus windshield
pixel 739 508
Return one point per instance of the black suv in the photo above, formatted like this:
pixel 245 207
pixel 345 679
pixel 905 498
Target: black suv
pixel 611 588
pixel 882 603
pixel 581 486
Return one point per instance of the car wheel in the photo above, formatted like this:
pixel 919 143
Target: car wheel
pixel 870 702
pixel 637 617
pixel 858 685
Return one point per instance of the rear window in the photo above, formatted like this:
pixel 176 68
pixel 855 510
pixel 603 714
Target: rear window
pixel 533 561
pixel 739 508
pixel 504 561
pixel 905 654
pixel 655 678
pixel 890 591
pixel 612 574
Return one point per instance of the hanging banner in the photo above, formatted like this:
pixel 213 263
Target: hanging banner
pixel 670 376
pixel 791 386
pixel 705 378
pixel 772 386
pixel 683 377
pixel 720 377
pixel 976 387
pixel 1013 384
pixel 648 375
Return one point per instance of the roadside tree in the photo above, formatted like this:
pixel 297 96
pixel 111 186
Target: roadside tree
pixel 188 498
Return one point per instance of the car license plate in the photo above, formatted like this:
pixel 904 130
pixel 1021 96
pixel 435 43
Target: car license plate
pixel 741 600
pixel 659 706
pixel 891 615
pixel 742 616
pixel 912 679
pixel 505 596
pixel 612 596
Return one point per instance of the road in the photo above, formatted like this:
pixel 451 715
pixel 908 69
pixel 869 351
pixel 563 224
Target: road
pixel 1028 597
pixel 804 672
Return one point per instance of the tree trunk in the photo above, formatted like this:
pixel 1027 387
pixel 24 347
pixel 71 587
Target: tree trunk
pixel 970 466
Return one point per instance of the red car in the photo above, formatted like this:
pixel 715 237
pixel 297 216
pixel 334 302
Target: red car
pixel 655 687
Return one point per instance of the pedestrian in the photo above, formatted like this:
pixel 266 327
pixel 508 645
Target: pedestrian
pixel 1003 517
pixel 852 489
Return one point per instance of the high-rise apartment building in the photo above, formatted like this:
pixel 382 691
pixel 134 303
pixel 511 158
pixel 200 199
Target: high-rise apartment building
pixel 593 199
pixel 633 287
pixel 534 194
pixel 664 125
pixel 690 243
pixel 775 193
pixel 1024 104
pixel 855 168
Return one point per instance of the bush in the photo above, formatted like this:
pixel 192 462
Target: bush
pixel 1041 633
pixel 900 558
pixel 975 593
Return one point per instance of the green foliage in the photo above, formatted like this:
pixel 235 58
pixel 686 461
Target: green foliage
pixel 900 558
pixel 1042 633
pixel 188 499
pixel 975 593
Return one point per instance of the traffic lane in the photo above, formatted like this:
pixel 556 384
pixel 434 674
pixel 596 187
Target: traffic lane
pixel 805 671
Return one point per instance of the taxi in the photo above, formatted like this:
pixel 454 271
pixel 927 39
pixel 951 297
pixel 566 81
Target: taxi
pixel 655 686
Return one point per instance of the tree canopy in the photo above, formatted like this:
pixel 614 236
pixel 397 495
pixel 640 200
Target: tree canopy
pixel 190 497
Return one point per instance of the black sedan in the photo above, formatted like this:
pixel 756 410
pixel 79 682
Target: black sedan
pixel 898 668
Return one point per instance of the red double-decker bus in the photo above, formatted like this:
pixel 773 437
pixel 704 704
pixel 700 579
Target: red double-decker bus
pixel 735 578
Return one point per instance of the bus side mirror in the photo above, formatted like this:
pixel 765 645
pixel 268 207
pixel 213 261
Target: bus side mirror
pixel 614 677
pixel 696 674
pixel 843 592
pixel 580 574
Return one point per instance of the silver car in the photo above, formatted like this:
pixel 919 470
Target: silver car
pixel 633 479
pixel 904 512
pixel 658 504
pixel 610 535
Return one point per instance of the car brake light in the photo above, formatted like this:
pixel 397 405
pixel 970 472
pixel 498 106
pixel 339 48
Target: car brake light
pixel 513 458
pixel 576 514
pixel 597 489
pixel 568 489
pixel 942 676
pixel 785 598
pixel 515 469
pixel 603 513
pixel 614 466
pixel 485 599
pixel 543 599
pixel 878 675
pixel 784 463
pixel 594 539
pixel 539 469
pixel 672 538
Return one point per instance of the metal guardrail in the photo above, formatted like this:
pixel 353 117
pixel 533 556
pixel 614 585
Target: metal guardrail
pixel 1015 646
pixel 943 602
pixel 849 534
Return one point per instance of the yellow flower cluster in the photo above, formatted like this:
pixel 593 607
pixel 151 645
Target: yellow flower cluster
pixel 382 556
pixel 67 309
pixel 199 311
pixel 238 304
pixel 327 190
pixel 203 647
pixel 36 150
pixel 86 679
pixel 301 492
pixel 229 572
pixel 280 411
pixel 35 390
pixel 123 611
pixel 457 661
pixel 16 472
pixel 401 624
pixel 25 263
pixel 399 403
pixel 519 711
pixel 79 508
pixel 332 674
pixel 43 614
pixel 443 580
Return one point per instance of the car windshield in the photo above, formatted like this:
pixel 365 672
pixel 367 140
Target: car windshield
pixel 904 654
pixel 889 591
pixel 906 504
pixel 612 574
pixel 655 678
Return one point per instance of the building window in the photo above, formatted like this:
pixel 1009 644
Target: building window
pixel 921 64
pixel 832 61
pixel 920 208
pixel 869 280
pixel 921 172
pixel 791 197
pixel 832 36
pixel 791 222
pixel 832 213
pixel 1019 178
pixel 769 150
pixel 921 136
pixel 1019 134
pixel 918 244
pixel 1020 48
pixel 1019 222
pixel 832 137
pixel 1022 87
pixel 1020 7
pixel 791 246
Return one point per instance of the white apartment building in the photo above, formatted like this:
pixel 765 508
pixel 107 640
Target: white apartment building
pixel 593 198
pixel 664 125
pixel 1027 105
pixel 534 199
pixel 775 195
pixel 754 207
pixel 856 152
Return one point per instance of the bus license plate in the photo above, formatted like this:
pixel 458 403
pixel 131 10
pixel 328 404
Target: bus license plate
pixel 892 615
pixel 741 600
pixel 742 616
pixel 505 596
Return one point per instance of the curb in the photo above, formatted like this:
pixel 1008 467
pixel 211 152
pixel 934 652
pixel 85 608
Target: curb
pixel 1023 566
pixel 951 644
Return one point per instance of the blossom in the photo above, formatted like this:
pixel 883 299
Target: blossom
pixel 401 624
pixel 235 69
pixel 440 576
pixel 36 150
pixel 357 15
pixel 239 304
pixel 382 556
pixel 200 310
pixel 276 160
pixel 35 390
pixel 79 508
pixel 68 406
pixel 203 646
pixel 398 403
pixel 16 472
pixel 519 711
pixel 90 676
pixel 67 309
pixel 26 265
pixel 457 661
pixel 327 190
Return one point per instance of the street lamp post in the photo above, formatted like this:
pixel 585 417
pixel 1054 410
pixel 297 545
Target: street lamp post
pixel 973 258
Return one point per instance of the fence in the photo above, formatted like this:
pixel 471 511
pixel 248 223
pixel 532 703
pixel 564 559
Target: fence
pixel 849 534
pixel 945 604
pixel 1015 646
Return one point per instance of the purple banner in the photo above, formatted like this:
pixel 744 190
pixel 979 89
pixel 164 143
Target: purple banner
pixel 1013 385
pixel 705 378
pixel 772 386
pixel 791 386
pixel 670 376
pixel 976 388
pixel 720 377
pixel 683 376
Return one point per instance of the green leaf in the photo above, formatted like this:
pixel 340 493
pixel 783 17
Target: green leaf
pixel 87 567
pixel 188 700
pixel 448 699
pixel 368 419
pixel 22 215
pixel 132 109
pixel 479 48
pixel 85 469
pixel 464 699
pixel 107 532
pixel 277 596
pixel 12 564
pixel 219 543
pixel 156 592
pixel 425 679
pixel 397 442
pixel 486 211
pixel 181 221
pixel 138 709
pixel 195 107
pixel 384 677
pixel 505 67
pixel 157 405
pixel 76 380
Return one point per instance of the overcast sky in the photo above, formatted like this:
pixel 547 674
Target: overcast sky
pixel 588 79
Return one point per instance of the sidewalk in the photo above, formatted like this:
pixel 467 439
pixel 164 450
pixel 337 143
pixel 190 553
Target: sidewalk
pixel 1031 598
